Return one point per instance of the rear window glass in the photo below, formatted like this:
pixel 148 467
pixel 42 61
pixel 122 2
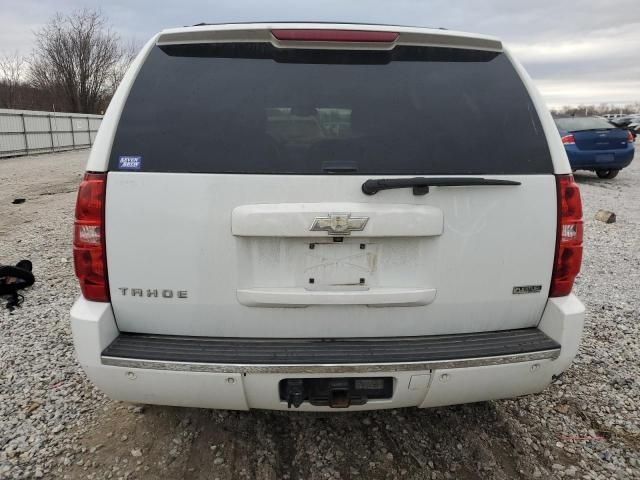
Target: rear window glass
pixel 575 124
pixel 253 108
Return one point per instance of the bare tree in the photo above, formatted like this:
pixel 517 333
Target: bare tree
pixel 116 74
pixel 77 56
pixel 11 73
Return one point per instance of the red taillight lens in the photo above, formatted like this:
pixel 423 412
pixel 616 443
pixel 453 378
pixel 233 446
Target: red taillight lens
pixel 569 140
pixel 88 238
pixel 630 136
pixel 568 256
pixel 335 36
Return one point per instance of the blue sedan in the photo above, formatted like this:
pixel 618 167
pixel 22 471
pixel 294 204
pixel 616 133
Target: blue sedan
pixel 592 143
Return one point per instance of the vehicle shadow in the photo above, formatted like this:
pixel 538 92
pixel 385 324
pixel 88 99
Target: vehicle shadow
pixel 468 441
pixel 589 178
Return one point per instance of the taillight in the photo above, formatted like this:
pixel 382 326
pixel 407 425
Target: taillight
pixel 630 136
pixel 88 238
pixel 568 256
pixel 319 35
pixel 569 140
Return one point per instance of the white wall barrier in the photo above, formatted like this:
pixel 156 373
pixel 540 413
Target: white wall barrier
pixel 25 132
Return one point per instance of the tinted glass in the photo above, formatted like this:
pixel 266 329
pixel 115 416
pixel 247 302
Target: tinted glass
pixel 575 124
pixel 253 108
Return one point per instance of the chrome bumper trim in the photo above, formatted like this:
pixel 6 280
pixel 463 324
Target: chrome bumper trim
pixel 330 368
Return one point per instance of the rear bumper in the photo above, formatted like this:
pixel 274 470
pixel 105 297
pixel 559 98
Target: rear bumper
pixel 242 374
pixel 592 159
pixel 302 356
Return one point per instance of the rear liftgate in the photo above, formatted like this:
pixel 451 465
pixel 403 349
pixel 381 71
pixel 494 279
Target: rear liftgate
pixel 330 222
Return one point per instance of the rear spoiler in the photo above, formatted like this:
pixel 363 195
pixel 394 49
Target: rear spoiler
pixel 268 33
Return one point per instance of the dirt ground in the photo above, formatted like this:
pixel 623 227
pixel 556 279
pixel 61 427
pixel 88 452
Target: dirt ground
pixel 458 442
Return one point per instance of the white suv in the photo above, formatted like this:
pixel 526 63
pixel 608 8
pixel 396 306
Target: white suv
pixel 290 215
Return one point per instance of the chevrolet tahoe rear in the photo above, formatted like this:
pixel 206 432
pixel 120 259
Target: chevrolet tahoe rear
pixel 275 216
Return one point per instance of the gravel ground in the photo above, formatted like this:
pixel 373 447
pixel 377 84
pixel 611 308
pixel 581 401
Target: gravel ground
pixel 54 424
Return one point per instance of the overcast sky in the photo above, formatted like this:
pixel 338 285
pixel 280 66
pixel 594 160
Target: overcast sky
pixel 577 51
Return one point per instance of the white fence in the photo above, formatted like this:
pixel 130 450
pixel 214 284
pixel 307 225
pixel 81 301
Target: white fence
pixel 23 132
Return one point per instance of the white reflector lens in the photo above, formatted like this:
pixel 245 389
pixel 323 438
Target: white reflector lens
pixel 89 234
pixel 569 232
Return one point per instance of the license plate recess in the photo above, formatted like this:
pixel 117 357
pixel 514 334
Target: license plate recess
pixel 340 265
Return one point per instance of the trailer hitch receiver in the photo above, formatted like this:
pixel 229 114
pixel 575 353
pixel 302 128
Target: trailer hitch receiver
pixel 334 392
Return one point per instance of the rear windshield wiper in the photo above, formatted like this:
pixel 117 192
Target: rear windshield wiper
pixel 421 184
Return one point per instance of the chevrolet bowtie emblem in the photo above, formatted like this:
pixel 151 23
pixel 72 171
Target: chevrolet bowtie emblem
pixel 341 224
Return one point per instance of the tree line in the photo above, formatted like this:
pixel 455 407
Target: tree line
pixel 78 62
pixel 75 66
pixel 600 109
